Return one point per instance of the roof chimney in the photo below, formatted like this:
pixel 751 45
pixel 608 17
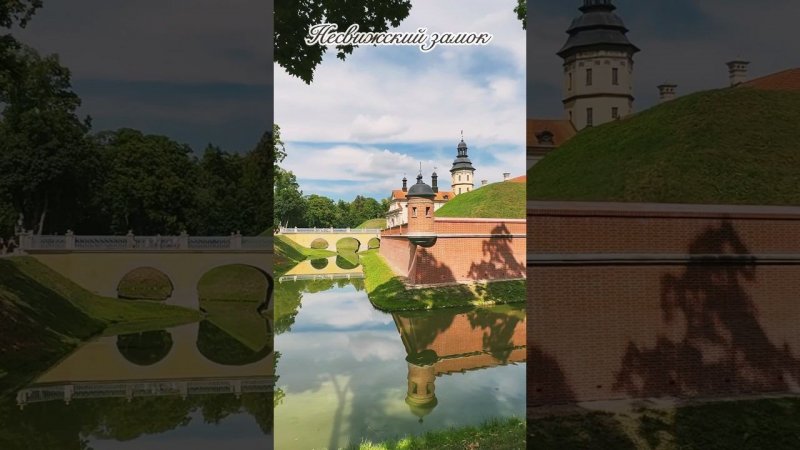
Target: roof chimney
pixel 484 182
pixel 405 184
pixel 666 92
pixel 506 176
pixel 737 71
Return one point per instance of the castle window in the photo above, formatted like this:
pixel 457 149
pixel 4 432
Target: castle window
pixel 615 113
pixel 615 76
pixel 427 211
pixel 459 178
pixel 588 77
pixel 589 117
pixel 413 211
pixel 570 82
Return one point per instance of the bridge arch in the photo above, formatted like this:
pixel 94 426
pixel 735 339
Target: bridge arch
pixel 374 243
pixel 348 243
pixel 319 244
pixel 145 283
pixel 145 348
pixel 264 302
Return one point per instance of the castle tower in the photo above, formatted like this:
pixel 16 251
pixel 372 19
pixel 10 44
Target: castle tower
pixel 598 66
pixel 421 214
pixel 462 172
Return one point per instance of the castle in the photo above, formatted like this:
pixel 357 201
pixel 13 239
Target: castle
pixel 462 180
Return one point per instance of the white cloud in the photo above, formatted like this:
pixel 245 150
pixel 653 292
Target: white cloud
pixel 371 128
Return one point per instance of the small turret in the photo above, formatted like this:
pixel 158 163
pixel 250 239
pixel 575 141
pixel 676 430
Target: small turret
pixel 405 184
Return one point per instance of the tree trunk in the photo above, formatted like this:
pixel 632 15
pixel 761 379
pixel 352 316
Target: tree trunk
pixel 44 214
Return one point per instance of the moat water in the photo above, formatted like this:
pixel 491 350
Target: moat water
pixel 349 373
pixel 200 386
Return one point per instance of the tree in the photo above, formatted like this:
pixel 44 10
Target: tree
pixel 289 201
pixel 148 185
pixel 45 156
pixel 17 12
pixel 522 12
pixel 256 191
pixel 294 18
pixel 320 212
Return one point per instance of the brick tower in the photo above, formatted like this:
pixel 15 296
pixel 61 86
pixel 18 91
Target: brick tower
pixel 421 214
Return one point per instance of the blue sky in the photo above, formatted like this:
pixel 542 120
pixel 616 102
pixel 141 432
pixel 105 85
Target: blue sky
pixel 685 42
pixel 365 122
pixel 197 71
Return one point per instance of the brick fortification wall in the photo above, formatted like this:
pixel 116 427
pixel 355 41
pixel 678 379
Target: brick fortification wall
pixel 465 250
pixel 635 301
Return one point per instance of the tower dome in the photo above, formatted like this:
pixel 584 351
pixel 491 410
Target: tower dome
pixel 420 189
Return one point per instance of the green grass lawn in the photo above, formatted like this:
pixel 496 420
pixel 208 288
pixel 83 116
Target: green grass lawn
pixel 506 434
pixel 497 200
pixel 728 146
pixel 722 425
pixel 387 292
pixel 44 316
pixel 373 223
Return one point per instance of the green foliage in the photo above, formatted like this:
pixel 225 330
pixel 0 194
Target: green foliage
pixel 728 146
pixel 501 434
pixel 46 160
pixel 522 12
pixel 321 212
pixel 290 205
pixel 17 12
pixel 498 200
pixel 387 291
pixel 294 19
pixel 319 244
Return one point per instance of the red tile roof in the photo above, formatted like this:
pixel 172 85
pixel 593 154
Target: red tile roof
pixel 398 194
pixel 562 130
pixel 787 80
pixel 520 179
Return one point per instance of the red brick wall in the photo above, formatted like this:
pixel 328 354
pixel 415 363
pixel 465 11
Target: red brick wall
pixel 482 250
pixel 601 331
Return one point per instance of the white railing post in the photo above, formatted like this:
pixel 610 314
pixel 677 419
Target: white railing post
pixel 236 240
pixel 131 240
pixel 69 240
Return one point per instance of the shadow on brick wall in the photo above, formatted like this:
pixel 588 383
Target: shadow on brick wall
pixel 501 263
pixel 547 379
pixel 725 349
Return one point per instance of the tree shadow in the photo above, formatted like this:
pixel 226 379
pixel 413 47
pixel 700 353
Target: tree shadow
pixel 724 349
pixel 501 262
pixel 547 383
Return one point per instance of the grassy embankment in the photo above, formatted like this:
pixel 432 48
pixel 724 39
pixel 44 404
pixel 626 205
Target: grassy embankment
pixel 388 292
pixel 728 146
pixel 772 423
pixel 373 223
pixel 506 434
pixel 288 254
pixel 44 316
pixel 496 200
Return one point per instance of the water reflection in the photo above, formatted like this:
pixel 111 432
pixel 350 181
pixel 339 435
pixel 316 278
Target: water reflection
pixel 379 376
pixel 195 385
pixel 344 265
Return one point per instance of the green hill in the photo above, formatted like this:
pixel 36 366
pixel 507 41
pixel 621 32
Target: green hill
pixel 373 223
pixel 729 146
pixel 504 200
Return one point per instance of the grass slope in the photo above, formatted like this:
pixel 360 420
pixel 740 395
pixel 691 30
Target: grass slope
pixel 387 292
pixel 45 315
pixel 722 425
pixel 506 434
pixel 729 146
pixel 373 223
pixel 498 200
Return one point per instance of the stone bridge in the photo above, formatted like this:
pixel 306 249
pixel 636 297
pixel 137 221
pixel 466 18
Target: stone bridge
pixel 99 263
pixel 305 236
